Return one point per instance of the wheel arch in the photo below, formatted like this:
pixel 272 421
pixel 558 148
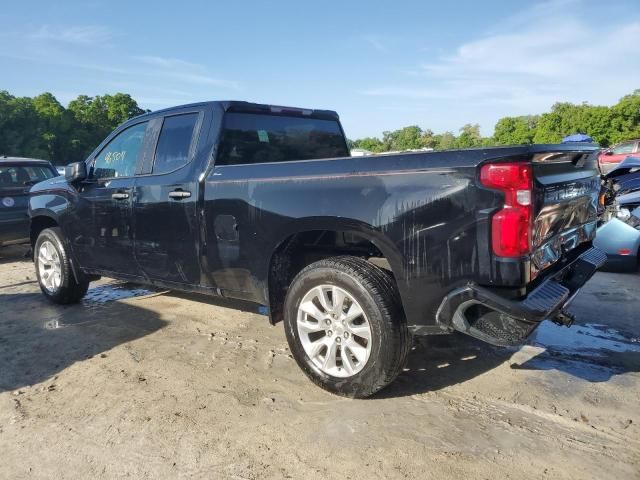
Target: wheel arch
pixel 39 221
pixel 42 219
pixel 286 259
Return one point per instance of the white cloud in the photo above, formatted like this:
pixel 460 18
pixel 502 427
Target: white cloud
pixel 164 62
pixel 183 71
pixel 545 54
pixel 204 80
pixel 77 35
pixel 378 42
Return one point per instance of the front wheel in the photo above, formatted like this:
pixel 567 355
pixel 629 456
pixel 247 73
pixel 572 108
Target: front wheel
pixel 345 326
pixel 53 269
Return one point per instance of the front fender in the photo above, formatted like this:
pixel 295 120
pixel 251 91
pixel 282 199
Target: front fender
pixel 50 198
pixel 48 207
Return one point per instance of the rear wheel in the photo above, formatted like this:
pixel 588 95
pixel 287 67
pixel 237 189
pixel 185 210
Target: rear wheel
pixel 53 269
pixel 345 326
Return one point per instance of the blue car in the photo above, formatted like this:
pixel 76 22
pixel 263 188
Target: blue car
pixel 619 238
pixel 17 176
pixel 619 234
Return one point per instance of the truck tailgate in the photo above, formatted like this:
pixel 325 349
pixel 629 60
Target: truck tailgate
pixel 566 187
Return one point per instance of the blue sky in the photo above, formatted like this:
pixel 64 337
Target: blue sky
pixel 381 65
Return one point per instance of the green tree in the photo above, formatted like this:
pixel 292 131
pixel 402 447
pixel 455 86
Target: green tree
pixel 428 139
pixel 369 143
pixel 53 125
pixel 95 118
pixel 19 127
pixel 606 125
pixel 515 130
pixel 625 118
pixel 447 141
pixel 568 118
pixel 469 136
pixel 407 138
pixel 41 127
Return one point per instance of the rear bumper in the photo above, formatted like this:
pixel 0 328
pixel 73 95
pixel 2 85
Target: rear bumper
pixel 481 313
pixel 622 263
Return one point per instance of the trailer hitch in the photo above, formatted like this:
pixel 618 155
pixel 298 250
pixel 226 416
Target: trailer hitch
pixel 564 318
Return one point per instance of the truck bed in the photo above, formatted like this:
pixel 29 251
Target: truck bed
pixel 424 212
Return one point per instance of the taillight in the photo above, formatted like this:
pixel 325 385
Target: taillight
pixel 510 226
pixel 601 199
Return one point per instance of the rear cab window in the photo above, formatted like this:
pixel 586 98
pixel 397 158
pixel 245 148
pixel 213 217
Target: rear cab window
pixel 266 138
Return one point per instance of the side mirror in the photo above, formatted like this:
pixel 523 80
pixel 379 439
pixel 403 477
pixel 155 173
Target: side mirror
pixel 75 172
pixel 608 152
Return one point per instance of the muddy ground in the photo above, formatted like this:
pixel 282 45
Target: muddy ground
pixel 140 384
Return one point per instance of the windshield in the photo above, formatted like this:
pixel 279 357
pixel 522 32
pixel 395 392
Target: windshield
pixel 20 176
pixel 258 138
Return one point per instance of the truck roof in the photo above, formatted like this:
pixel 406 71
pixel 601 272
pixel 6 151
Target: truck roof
pixel 248 107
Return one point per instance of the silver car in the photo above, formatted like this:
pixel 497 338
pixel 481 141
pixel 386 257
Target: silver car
pixel 619 238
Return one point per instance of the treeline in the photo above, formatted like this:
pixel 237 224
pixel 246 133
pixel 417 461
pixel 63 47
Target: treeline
pixel 606 125
pixel 40 127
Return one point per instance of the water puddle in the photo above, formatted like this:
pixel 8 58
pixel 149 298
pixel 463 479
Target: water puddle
pixel 591 339
pixel 111 292
pixel 592 351
pixel 97 298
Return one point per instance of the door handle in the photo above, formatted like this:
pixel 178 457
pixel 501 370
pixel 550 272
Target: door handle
pixel 119 196
pixel 179 194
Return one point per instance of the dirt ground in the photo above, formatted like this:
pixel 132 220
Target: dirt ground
pixel 141 384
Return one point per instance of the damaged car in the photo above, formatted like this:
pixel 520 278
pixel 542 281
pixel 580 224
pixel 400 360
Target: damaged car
pixel 619 233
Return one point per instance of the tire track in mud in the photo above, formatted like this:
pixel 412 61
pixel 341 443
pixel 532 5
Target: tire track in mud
pixel 567 432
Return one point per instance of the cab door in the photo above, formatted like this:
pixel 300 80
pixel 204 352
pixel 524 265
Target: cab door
pixel 103 232
pixel 167 244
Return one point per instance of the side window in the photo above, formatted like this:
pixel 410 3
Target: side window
pixel 174 142
pixel 119 157
pixel 622 148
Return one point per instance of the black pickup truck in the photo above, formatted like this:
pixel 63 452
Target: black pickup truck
pixel 355 254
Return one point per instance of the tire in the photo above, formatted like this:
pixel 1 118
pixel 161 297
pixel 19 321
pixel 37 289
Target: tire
pixel 374 291
pixel 66 290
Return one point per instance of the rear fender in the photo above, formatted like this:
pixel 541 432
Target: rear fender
pixel 364 230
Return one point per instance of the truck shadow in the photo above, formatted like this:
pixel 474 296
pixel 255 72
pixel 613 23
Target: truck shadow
pixel 38 339
pixel 592 353
pixel 440 361
pixel 15 253
pixel 232 303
